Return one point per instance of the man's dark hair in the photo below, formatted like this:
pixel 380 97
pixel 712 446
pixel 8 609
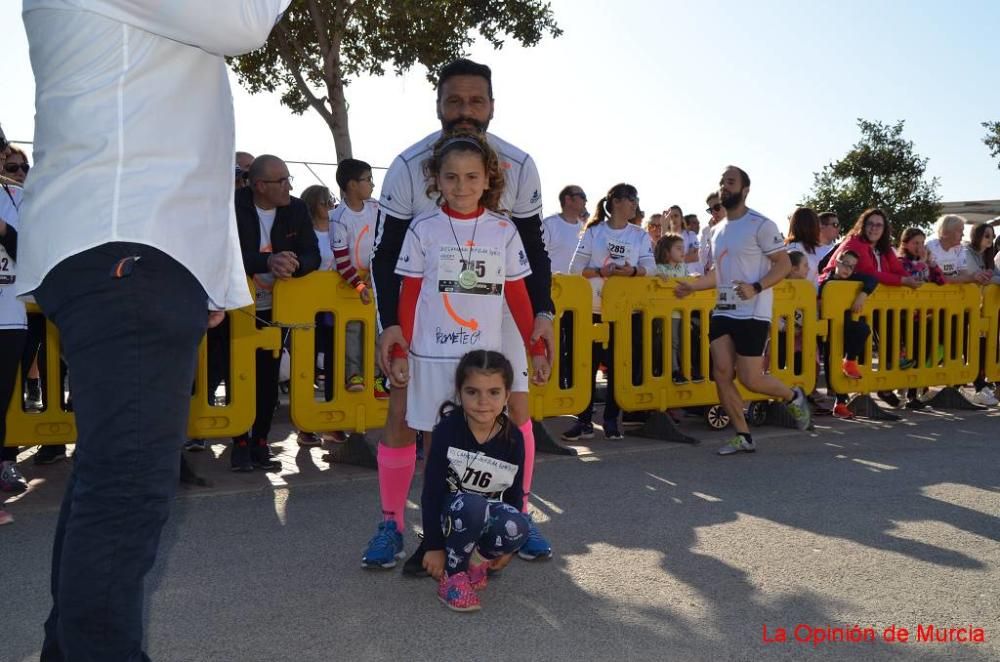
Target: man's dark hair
pixel 743 175
pixel 796 258
pixel 464 67
pixel 827 215
pixel 259 165
pixel 566 192
pixel 714 195
pixel 349 170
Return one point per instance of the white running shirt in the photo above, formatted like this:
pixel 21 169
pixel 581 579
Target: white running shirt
pixel 12 313
pixel 602 244
pixel 741 248
pixel 404 191
pixel 561 239
pixel 450 319
pixel 951 261
pixel 355 231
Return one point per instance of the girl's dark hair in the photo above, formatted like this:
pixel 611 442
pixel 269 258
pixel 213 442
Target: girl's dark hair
pixel 603 210
pixel 481 360
pixel 976 239
pixel 884 244
pixel 803 228
pixel 908 234
pixel 474 143
pixel 796 257
pixel 663 246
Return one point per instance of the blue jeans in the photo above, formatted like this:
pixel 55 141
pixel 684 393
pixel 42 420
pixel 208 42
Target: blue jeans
pixel 131 346
pixel 470 522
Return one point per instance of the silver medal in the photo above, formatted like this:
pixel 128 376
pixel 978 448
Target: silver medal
pixel 467 279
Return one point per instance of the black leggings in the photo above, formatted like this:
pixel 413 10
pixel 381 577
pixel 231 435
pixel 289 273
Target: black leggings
pixel 11 348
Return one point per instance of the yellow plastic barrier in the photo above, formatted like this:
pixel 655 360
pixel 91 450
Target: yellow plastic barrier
pixel 571 294
pixel 297 302
pixel 937 326
pixel 652 302
pixel 208 420
pixel 54 425
pixel 991 327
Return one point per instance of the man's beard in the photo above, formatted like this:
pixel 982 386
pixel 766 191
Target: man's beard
pixel 731 200
pixel 480 127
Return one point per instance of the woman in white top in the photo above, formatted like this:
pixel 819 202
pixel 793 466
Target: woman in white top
pixel 611 247
pixel 803 236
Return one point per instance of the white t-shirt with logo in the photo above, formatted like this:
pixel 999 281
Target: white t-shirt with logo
pixel 452 320
pixel 355 231
pixel 951 261
pixel 561 239
pixel 404 192
pixel 602 244
pixel 264 283
pixel 12 313
pixel 741 248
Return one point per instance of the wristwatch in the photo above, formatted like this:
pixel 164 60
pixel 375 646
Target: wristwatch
pixel 757 287
pixel 546 315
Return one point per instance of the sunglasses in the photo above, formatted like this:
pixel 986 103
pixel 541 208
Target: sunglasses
pixel 14 167
pixel 627 196
pixel 716 207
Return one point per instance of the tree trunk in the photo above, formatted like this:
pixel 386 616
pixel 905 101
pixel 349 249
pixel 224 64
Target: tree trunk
pixel 338 119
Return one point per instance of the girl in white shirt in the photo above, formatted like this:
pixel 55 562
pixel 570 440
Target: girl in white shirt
pixel 610 248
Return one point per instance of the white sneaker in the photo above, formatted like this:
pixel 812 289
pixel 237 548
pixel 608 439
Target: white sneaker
pixel 738 444
pixel 984 398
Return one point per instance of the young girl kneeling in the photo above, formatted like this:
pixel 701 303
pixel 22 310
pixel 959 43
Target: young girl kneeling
pixel 473 483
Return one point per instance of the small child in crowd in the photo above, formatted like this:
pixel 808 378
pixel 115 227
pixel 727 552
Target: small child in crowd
pixel 669 256
pixel 474 483
pixel 351 237
pixel 856 331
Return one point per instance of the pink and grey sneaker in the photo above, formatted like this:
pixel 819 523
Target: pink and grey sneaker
pixel 457 594
pixel 478 574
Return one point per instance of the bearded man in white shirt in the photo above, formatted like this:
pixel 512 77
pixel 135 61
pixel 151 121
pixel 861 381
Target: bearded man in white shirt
pixel 134 132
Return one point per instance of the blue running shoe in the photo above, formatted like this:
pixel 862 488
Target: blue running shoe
pixel 384 548
pixel 536 546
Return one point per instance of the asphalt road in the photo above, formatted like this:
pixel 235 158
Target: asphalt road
pixel 663 552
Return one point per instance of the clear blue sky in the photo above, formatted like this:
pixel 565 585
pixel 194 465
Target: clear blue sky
pixel 664 94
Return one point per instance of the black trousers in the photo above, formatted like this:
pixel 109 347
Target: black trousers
pixel 11 348
pixel 131 345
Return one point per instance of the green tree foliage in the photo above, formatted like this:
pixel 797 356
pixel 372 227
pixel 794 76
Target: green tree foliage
pixel 992 139
pixel 881 170
pixel 320 45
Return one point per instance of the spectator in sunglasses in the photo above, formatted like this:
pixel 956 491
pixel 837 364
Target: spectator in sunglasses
pixel 16 165
pixel 829 233
pixel 716 212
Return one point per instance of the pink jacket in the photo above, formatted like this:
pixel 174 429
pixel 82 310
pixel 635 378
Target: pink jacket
pixel 887 269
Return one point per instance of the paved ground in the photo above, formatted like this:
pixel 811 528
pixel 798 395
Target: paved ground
pixel 664 552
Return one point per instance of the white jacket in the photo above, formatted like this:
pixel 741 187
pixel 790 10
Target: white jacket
pixel 134 132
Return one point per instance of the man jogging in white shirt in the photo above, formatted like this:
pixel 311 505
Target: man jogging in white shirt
pixel 749 259
pixel 134 132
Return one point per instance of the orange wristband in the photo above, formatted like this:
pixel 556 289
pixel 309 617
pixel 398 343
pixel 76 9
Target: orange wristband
pixel 360 287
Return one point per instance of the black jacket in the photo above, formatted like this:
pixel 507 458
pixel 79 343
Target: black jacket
pixel 292 231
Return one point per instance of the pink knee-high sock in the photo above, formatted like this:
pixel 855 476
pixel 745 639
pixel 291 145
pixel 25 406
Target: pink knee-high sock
pixel 528 432
pixel 395 474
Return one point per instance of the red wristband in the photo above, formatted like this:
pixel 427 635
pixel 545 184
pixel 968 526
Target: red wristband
pixel 537 348
pixel 398 352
